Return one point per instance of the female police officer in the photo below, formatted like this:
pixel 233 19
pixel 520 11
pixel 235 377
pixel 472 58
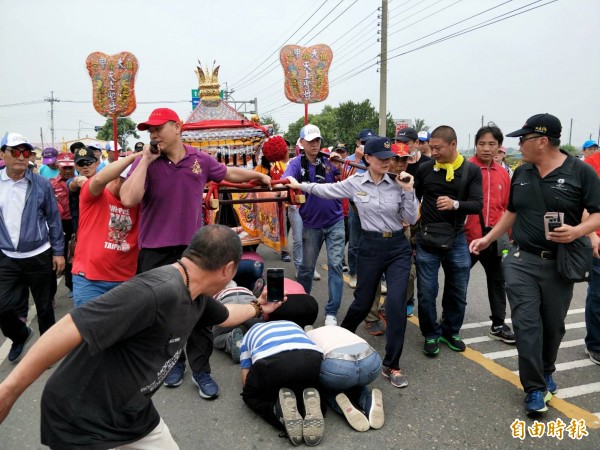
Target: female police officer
pixel 383 204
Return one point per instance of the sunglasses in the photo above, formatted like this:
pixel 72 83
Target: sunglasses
pixel 84 163
pixel 522 139
pixel 16 153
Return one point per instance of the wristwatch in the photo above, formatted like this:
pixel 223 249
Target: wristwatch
pixel 455 205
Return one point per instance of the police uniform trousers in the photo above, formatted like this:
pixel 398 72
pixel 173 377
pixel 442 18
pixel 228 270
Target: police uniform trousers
pixel 380 253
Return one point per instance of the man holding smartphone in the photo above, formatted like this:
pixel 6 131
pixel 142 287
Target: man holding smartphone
pixel 539 297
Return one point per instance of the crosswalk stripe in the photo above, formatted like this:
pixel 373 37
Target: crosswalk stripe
pixel 576 391
pixel 488 323
pixel 513 352
pixel 561 367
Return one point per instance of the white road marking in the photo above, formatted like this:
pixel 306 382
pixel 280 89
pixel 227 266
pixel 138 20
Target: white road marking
pixel 488 323
pixel 509 353
pixel 561 367
pixel 576 391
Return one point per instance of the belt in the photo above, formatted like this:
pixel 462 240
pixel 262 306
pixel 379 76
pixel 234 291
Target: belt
pixel 348 357
pixel 545 254
pixel 383 234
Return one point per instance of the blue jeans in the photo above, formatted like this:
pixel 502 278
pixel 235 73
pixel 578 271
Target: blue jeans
pixel 340 375
pixel 296 224
pixel 312 241
pixel 354 240
pixel 592 310
pixel 248 272
pixel 456 263
pixel 85 290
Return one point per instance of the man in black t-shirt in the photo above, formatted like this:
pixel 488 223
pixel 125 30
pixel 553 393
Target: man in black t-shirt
pixel 120 347
pixel 539 296
pixel 438 185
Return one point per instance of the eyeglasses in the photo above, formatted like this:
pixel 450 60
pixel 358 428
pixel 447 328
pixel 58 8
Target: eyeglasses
pixel 16 153
pixel 522 139
pixel 84 163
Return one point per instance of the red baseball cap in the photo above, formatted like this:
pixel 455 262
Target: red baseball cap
pixel 65 160
pixel 159 117
pixel 400 149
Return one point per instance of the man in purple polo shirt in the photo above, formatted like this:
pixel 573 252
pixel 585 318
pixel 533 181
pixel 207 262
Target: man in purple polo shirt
pixel 169 185
pixel 322 219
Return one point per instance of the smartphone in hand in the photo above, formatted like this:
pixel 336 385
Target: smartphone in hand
pixel 275 285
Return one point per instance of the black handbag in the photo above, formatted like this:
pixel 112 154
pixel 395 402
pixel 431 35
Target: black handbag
pixel 575 260
pixel 440 235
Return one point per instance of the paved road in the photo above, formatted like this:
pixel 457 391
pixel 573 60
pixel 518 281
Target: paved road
pixel 454 401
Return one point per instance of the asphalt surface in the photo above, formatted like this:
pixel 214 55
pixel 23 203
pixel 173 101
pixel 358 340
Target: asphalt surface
pixel 454 401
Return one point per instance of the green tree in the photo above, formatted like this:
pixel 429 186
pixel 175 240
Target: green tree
pixel 125 128
pixel 342 123
pixel 420 125
pixel 267 119
pixel 570 149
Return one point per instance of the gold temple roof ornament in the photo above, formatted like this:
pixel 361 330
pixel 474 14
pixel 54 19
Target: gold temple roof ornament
pixel 208 83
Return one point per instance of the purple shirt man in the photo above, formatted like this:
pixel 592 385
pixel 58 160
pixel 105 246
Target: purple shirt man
pixel 181 218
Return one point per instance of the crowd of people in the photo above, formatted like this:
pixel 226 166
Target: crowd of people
pixel 129 236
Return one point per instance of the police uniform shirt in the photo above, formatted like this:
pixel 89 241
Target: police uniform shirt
pixel 568 189
pixel 381 207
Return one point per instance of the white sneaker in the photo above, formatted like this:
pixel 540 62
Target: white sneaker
pixel 316 276
pixel 330 321
pixel 352 282
pixel 383 288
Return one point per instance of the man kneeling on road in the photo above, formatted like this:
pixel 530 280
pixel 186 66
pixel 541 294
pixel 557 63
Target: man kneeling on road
pixel 120 347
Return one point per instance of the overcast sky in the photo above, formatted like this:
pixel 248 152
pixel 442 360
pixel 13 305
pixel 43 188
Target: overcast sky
pixel 544 60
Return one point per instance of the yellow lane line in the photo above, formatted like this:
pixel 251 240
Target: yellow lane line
pixel 566 408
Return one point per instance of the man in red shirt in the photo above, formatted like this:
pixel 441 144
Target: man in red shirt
pixel 496 187
pixel 592 300
pixel 107 237
pixel 66 169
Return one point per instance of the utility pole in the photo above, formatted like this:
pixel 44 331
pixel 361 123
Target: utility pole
pixel 51 99
pixel 42 137
pixel 481 121
pixel 570 131
pixel 383 70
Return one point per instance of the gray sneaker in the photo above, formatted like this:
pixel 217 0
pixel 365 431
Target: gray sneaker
pixel 236 337
pixel 287 411
pixel 397 378
pixel 313 425
pixel 594 356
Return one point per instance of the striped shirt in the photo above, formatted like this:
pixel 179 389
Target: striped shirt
pixel 270 338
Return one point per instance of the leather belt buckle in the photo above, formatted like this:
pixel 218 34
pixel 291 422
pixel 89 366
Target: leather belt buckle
pixel 386 234
pixel 547 254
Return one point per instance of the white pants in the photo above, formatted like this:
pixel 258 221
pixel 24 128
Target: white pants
pixel 159 439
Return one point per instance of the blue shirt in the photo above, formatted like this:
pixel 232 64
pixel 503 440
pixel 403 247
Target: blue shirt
pixel 270 338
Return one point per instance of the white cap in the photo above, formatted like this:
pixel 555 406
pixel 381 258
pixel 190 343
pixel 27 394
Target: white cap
pixel 310 133
pixel 14 140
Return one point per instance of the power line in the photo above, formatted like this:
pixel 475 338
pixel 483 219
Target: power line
pixel 277 49
pixel 271 66
pixel 414 14
pixel 453 35
pixel 421 20
pixel 421 38
pixel 336 18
